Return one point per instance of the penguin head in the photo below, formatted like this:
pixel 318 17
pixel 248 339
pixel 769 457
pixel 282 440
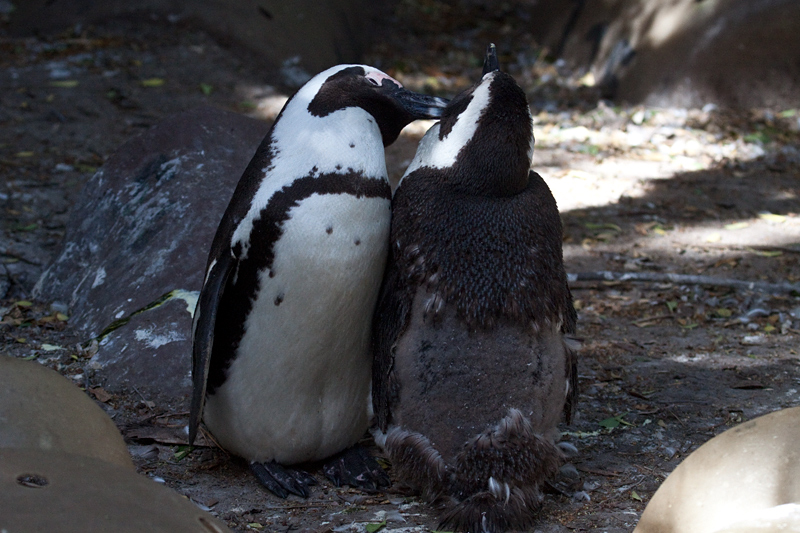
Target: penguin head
pixel 392 106
pixel 484 140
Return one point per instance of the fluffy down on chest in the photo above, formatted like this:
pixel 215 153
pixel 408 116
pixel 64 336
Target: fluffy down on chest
pixel 454 384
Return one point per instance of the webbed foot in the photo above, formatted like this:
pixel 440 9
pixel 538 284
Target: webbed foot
pixel 357 468
pixel 282 480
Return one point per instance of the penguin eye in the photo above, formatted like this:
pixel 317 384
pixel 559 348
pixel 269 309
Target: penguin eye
pixel 374 82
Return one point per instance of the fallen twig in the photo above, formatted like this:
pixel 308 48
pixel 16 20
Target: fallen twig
pixel 731 247
pixel 13 255
pixel 684 279
pixel 676 417
pixel 597 471
pixel 647 320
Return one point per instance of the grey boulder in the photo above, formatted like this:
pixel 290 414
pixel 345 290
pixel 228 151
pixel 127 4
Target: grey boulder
pixel 137 243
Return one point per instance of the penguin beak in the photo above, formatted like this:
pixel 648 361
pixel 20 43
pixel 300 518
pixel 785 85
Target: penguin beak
pixel 417 105
pixel 490 62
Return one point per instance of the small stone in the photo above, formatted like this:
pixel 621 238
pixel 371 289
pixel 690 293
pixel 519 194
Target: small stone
pixel 753 340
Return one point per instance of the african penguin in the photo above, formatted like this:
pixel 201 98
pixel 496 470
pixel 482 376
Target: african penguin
pixel 281 360
pixel 472 369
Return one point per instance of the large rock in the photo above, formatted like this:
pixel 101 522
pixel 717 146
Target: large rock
pixel 138 241
pixel 740 53
pixel 41 410
pixel 746 479
pixel 297 38
pixel 68 493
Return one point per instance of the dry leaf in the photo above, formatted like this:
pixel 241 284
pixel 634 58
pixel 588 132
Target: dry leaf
pixel 770 217
pixel 50 347
pixel 64 84
pixel 152 82
pixel 100 393
pixel 737 225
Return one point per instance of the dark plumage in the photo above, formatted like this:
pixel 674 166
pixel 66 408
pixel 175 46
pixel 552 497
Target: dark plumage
pixel 472 371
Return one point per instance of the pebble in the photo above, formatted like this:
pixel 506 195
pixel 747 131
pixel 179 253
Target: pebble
pixel 753 340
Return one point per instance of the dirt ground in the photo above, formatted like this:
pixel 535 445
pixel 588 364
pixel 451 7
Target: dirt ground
pixel 665 365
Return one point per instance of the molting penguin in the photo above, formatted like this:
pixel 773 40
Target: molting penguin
pixel 281 361
pixel 472 369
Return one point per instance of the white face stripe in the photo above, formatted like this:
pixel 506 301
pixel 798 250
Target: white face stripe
pixel 436 153
pixel 347 138
pixel 433 153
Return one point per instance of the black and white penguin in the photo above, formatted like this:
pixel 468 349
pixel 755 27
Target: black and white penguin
pixel 281 358
pixel 473 370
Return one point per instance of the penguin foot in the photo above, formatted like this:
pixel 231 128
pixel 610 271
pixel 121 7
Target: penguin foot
pixel 283 481
pixel 566 482
pixel 357 468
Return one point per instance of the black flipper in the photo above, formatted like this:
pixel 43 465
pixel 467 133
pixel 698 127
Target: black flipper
pixel 205 317
pixel 282 481
pixel 357 468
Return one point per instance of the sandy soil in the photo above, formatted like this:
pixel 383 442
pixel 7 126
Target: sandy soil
pixel 664 365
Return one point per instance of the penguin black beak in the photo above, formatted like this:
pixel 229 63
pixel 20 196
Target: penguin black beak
pixel 490 63
pixel 417 105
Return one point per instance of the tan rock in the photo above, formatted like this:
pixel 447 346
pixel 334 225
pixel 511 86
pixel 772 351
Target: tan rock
pixel 780 519
pixel 41 410
pixel 735 482
pixel 740 53
pixel 55 491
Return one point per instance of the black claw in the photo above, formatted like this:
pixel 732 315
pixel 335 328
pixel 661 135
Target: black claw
pixel 304 478
pixel 331 469
pixel 357 468
pixel 283 481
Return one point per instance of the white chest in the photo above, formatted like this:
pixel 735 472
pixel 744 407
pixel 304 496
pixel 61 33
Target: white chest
pixel 298 387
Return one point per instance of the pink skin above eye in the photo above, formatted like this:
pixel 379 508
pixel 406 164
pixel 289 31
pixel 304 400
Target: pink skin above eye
pixel 377 77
